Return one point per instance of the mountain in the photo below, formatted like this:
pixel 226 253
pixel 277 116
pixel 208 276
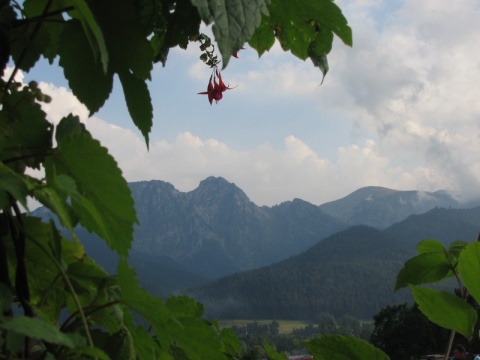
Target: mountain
pixel 186 239
pixel 215 230
pixel 352 272
pixel 381 207
pixel 444 225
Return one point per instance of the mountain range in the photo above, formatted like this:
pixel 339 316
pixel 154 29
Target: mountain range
pixel 215 230
pixel 214 241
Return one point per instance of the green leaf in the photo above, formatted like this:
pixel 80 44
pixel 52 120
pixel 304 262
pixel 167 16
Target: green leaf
pixel 50 197
pixel 39 329
pixel 151 308
pixel 125 35
pixel 138 101
pixel 304 27
pixel 54 26
pixel 67 126
pixel 186 333
pixel 145 345
pixel 27 134
pixel 231 343
pixel 263 38
pixel 183 23
pixel 13 184
pixel 120 345
pixel 456 248
pixel 424 268
pixel 27 43
pixel 429 246
pixel 446 310
pixel 469 269
pixel 321 62
pixel 234 21
pixel 92 31
pixel 86 77
pixel 184 306
pixel 341 347
pixel 102 198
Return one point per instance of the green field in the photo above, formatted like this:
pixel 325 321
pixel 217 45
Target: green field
pixel 286 326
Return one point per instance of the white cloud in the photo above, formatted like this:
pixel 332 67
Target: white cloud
pixel 63 103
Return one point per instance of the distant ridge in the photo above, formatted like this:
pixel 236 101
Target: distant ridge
pixel 352 272
pixel 381 207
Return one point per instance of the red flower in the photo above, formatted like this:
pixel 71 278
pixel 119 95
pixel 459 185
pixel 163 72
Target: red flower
pixel 215 87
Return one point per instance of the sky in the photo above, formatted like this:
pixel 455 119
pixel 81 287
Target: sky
pixel 399 109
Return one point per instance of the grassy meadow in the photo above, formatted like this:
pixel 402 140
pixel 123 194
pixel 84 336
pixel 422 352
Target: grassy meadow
pixel 286 326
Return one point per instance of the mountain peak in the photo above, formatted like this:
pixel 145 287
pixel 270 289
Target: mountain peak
pixel 218 188
pixel 381 207
pixel 216 181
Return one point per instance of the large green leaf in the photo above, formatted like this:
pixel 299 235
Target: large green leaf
pixel 234 21
pixel 469 269
pixel 341 347
pixel 27 43
pixel 56 200
pixel 86 76
pixel 429 246
pixel 69 125
pixel 54 27
pixel 26 133
pixel 125 36
pixel 92 31
pixel 38 329
pixel 446 309
pixel 424 268
pixel 152 309
pixel 138 101
pixel 13 184
pixel 101 197
pixel 263 38
pixel 145 345
pixel 177 323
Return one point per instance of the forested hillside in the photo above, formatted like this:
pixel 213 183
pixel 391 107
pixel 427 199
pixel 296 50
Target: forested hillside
pixel 352 272
pixel 445 225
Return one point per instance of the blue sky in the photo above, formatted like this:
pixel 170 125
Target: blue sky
pixel 400 109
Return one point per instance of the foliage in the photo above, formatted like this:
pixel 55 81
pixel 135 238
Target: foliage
pixel 68 306
pixel 343 347
pixel 403 332
pixel 456 311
